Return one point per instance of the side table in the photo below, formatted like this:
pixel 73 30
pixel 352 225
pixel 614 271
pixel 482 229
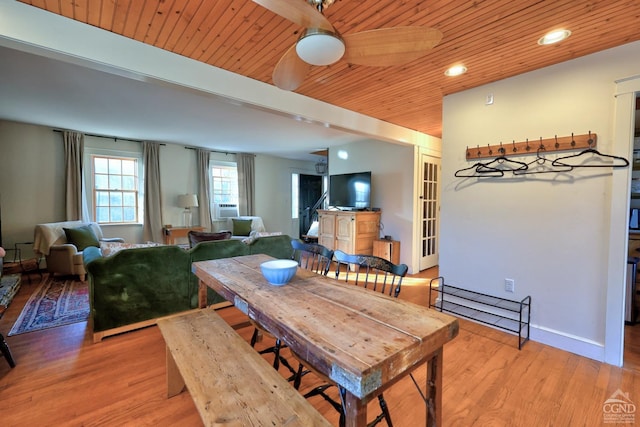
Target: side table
pixel 173 233
pixel 23 266
pixel 387 249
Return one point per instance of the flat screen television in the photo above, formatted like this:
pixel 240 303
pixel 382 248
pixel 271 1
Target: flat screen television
pixel 350 191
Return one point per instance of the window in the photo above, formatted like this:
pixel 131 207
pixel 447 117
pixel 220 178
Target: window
pixel 224 183
pixel 295 191
pixel 115 189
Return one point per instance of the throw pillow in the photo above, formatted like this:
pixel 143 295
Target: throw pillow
pixel 81 237
pixel 241 227
pixel 196 237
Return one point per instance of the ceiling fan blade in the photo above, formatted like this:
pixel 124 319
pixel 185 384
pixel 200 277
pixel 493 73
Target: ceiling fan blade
pixel 290 71
pixel 390 46
pixel 297 11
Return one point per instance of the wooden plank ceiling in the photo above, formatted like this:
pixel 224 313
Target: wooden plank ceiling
pixel 495 39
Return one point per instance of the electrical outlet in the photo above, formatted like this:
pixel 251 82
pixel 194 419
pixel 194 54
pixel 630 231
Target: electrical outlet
pixel 509 285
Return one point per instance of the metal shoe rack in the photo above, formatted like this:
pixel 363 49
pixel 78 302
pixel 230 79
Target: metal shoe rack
pixel 509 315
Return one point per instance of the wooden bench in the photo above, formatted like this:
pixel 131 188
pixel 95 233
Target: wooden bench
pixel 229 382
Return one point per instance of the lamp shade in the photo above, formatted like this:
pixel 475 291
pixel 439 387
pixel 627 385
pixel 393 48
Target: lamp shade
pixel 188 200
pixel 320 47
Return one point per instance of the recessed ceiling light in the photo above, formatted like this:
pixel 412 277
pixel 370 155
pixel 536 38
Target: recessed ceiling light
pixel 554 36
pixel 456 70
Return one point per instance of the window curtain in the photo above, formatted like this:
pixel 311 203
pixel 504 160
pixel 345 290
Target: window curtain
pixel 246 183
pixel 204 188
pixel 152 224
pixel 75 204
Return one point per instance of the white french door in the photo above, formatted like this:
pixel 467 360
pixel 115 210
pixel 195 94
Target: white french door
pixel 429 211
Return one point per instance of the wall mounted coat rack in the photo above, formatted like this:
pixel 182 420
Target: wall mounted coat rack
pixel 563 143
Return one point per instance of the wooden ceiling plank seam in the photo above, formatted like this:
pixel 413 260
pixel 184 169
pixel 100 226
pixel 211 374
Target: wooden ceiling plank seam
pixel 215 12
pixel 66 8
pixel 80 11
pixel 146 19
pixel 191 29
pixel 446 12
pixel 475 48
pixel 50 5
pixel 377 18
pixel 474 30
pixel 542 60
pixel 182 25
pixel 398 94
pixel 427 15
pixel 93 12
pixel 553 12
pixel 254 51
pixel 569 47
pixel 266 57
pixel 346 16
pixel 158 22
pixel 120 16
pixel 40 4
pixel 171 20
pixel 474 15
pixel 214 17
pixel 227 31
pixel 251 52
pixel 385 78
pixel 106 14
pixel 133 18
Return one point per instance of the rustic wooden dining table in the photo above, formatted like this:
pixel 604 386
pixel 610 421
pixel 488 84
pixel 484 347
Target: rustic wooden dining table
pixel 362 340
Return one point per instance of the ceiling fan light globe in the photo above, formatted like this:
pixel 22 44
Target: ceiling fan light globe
pixel 318 47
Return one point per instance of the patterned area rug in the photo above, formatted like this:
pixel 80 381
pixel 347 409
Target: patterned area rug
pixel 57 301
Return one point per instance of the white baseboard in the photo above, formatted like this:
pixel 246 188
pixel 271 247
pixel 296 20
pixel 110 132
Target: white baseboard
pixel 568 342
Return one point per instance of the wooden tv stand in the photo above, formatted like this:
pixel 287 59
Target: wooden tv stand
pixel 352 232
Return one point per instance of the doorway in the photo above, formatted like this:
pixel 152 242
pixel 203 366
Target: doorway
pixel 310 196
pixel 429 210
pixel 631 354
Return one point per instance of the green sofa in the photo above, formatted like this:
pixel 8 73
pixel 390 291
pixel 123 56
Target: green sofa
pixel 133 287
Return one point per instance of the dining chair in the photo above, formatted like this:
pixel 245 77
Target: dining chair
pixel 375 274
pixel 310 256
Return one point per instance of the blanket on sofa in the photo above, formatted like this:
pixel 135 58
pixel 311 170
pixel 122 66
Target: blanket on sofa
pixel 46 235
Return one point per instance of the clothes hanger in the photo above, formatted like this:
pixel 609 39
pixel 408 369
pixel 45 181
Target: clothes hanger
pixel 489 172
pixel 616 161
pixel 540 165
pixel 504 163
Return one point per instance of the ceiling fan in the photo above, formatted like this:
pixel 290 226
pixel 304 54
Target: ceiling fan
pixel 320 43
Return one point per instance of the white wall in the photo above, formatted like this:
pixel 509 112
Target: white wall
pixel 32 182
pixel 548 232
pixel 31 159
pixel 392 186
pixel 273 191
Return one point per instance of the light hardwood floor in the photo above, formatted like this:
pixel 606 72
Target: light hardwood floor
pixel 62 378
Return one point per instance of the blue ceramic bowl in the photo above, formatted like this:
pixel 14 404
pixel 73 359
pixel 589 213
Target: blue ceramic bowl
pixel 278 272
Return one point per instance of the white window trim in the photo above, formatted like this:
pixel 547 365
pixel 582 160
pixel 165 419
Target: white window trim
pixel 89 183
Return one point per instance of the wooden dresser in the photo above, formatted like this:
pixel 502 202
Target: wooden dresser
pixel 352 232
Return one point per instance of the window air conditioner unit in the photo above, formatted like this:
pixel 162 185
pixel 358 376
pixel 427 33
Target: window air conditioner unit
pixel 226 210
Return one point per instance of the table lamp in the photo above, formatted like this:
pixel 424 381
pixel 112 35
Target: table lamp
pixel 187 201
